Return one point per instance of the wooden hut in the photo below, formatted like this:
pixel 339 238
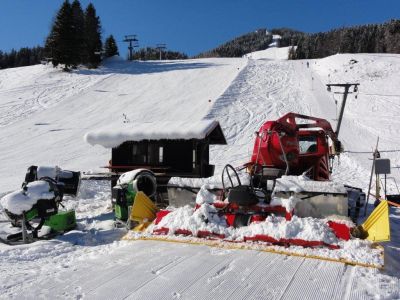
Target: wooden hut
pixel 168 148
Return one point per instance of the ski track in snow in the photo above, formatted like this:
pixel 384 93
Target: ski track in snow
pixel 91 263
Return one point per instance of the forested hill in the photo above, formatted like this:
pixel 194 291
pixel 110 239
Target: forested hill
pixel 371 38
pixel 253 41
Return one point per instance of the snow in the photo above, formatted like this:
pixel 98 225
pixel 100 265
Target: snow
pixel 129 177
pixel 288 203
pixel 113 136
pixel 46 112
pixel 270 53
pixel 205 196
pixel 206 218
pixel 48 171
pixel 301 183
pixel 23 200
pixel 213 182
pixel 194 220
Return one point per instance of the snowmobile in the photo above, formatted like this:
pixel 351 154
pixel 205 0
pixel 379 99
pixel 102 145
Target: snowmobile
pixel 37 204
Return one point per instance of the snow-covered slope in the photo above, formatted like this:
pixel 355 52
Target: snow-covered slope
pixel 270 53
pixel 45 113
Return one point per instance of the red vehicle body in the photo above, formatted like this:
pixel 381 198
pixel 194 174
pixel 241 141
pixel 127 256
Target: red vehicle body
pixel 296 144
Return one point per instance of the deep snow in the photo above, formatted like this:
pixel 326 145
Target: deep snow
pixel 45 114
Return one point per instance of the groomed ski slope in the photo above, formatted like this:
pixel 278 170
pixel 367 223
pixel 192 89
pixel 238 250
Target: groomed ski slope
pixel 52 110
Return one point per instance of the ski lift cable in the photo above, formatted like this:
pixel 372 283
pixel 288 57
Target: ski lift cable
pixel 367 152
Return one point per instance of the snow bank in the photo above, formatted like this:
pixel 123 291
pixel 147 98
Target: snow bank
pixel 113 136
pixel 20 201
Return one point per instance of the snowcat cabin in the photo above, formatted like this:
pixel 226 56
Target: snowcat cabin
pixel 292 145
pixel 167 148
pixel 313 154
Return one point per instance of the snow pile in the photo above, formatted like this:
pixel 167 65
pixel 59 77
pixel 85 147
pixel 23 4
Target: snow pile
pixel 205 196
pixel 288 203
pixel 113 136
pixel 205 218
pixel 308 229
pixel 23 200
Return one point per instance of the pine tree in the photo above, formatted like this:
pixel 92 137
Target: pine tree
pixel 93 43
pixel 78 42
pixel 110 47
pixel 60 41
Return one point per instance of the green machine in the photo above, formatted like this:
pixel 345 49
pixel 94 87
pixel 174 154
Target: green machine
pixel 124 192
pixel 125 196
pixel 37 204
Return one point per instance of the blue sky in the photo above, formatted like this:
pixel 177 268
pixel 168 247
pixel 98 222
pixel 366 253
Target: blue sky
pixel 190 26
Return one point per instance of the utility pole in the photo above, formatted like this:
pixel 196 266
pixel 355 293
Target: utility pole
pixel 133 42
pixel 161 47
pixel 346 87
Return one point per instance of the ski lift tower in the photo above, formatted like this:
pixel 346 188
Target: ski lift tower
pixel 133 43
pixel 161 47
pixel 346 87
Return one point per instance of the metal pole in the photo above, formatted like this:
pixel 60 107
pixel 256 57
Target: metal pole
pixel 346 91
pixel 370 178
pixel 385 187
pixel 24 233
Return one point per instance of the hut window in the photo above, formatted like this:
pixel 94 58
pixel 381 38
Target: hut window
pixel 161 154
pixel 139 153
pixel 194 158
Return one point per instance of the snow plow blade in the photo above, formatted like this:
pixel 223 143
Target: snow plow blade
pixel 377 226
pixel 143 211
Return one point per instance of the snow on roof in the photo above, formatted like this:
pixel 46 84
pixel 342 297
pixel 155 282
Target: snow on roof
pixel 276 37
pixel 113 136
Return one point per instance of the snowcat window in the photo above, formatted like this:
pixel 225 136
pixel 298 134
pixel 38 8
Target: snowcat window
pixel 308 144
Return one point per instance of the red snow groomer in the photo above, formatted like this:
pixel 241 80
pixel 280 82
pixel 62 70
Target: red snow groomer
pixel 289 199
pixel 295 144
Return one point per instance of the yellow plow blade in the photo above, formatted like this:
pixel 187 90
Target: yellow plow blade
pixel 377 225
pixel 143 211
pixel 311 253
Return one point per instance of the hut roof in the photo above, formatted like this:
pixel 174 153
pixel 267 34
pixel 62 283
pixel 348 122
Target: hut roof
pixel 113 136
